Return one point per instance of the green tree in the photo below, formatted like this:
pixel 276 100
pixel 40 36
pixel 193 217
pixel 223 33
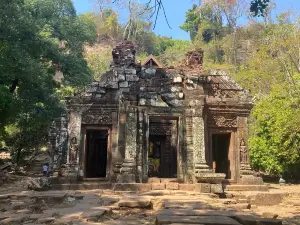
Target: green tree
pixel 38 38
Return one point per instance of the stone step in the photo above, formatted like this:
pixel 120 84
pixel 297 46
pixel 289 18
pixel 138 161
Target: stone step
pixel 205 220
pixel 81 186
pixel 261 188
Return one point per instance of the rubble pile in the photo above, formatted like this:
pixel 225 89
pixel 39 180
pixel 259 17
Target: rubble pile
pixel 194 59
pixel 124 54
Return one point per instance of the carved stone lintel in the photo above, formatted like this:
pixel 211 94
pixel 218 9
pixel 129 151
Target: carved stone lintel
pixel 97 117
pixel 223 121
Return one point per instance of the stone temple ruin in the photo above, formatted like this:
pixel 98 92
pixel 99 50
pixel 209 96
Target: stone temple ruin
pixel 142 123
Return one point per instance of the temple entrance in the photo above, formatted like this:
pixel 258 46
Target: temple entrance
pixel 96 154
pixel 220 150
pixel 162 149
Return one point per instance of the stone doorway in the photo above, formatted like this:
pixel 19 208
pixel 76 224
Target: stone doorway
pixel 96 152
pixel 162 148
pixel 221 153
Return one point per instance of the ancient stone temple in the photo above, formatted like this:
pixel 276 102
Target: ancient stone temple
pixel 142 121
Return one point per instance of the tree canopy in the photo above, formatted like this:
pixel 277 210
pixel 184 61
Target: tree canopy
pixel 38 39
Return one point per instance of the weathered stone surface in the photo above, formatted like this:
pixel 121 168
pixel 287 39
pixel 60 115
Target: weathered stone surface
pixel 95 213
pixel 38 184
pixel 138 202
pixel 17 204
pixel 12 220
pixel 269 215
pixel 213 220
pixel 203 187
pixel 123 84
pixel 132 187
pixel 132 78
pixel 251 220
pixel 216 188
pixel 186 187
pixel 172 186
pixel 267 199
pixel 46 220
pixel 247 188
pixel 158 186
pixel 240 206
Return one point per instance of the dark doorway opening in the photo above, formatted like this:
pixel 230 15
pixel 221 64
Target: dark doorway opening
pixel 161 158
pixel 96 154
pixel 220 148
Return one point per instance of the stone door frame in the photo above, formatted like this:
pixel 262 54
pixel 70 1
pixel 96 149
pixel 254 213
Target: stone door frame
pixel 176 118
pixel 86 128
pixel 232 154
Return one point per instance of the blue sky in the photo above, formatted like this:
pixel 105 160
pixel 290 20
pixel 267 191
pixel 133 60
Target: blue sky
pixel 176 14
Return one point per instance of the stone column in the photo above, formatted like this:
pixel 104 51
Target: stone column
pixel 246 173
pixel 139 149
pixel 74 130
pixel 189 167
pixel 242 130
pixel 199 146
pixel 128 167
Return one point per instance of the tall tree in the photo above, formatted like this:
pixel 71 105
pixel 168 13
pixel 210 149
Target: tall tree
pixel 39 38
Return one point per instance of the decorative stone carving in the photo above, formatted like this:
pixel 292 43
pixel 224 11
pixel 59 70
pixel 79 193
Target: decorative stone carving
pixel 243 152
pixel 97 117
pixel 223 121
pixel 73 149
pixel 160 129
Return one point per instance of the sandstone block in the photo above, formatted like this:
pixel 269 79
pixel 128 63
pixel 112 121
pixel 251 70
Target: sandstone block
pixel 251 220
pixel 158 186
pixel 240 206
pixel 202 187
pixel 132 78
pixel 138 202
pixel 172 186
pixel 207 220
pixel 46 220
pixel 186 187
pixel 216 188
pixel 123 84
pixel 269 215
pixel 95 214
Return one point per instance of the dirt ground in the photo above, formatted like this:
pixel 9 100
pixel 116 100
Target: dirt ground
pixel 20 206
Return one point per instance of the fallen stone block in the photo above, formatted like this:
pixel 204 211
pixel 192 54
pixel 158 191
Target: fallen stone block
pixel 139 202
pixel 252 220
pixel 16 205
pixel 207 220
pixel 269 215
pixel 95 213
pixel 46 220
pixel 38 184
pixel 240 206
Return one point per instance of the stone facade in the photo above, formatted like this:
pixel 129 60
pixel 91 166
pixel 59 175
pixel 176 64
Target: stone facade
pixel 186 110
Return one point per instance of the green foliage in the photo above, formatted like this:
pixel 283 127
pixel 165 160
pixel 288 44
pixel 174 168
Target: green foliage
pixel 192 21
pixel 38 38
pixel 275 133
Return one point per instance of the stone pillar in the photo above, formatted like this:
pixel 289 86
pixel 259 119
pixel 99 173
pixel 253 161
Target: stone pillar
pixel 74 130
pixel 242 131
pixel 128 167
pixel 139 149
pixel 189 170
pixel 246 174
pixel 199 146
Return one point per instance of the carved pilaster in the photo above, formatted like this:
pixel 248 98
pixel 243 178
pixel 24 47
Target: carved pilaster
pixel 199 146
pixel 242 125
pixel 190 178
pixel 74 129
pixel 128 167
